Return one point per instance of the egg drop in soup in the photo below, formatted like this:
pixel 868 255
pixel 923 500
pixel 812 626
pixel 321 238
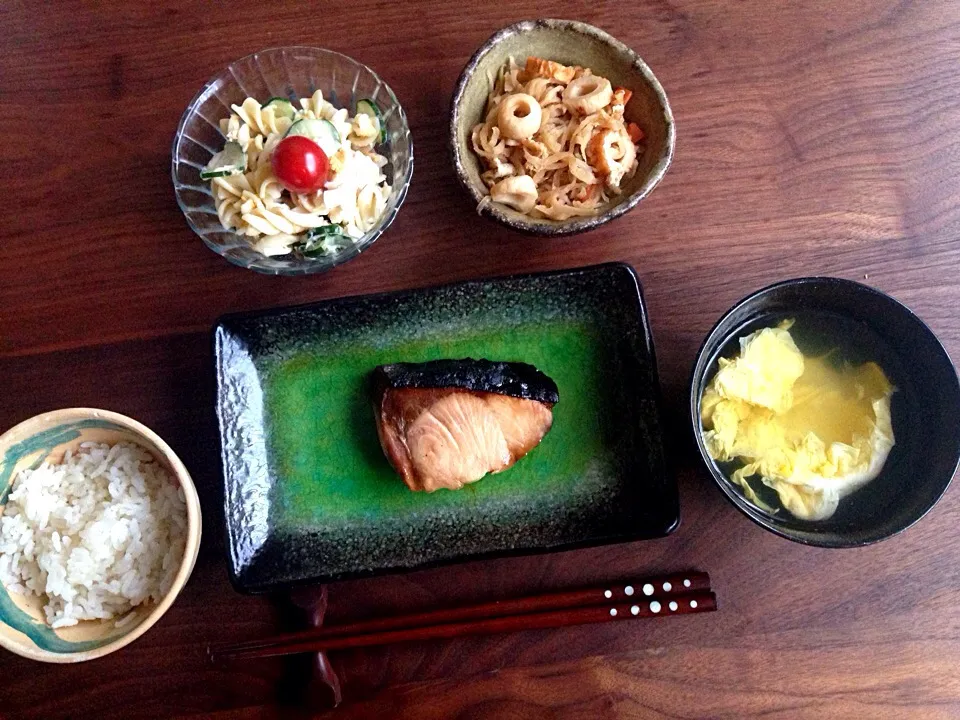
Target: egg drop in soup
pixel 813 429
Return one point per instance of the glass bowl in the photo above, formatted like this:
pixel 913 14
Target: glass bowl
pixel 294 72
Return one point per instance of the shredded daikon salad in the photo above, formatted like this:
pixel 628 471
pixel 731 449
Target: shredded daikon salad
pixel 554 142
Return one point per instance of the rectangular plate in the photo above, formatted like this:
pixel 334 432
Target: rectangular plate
pixel 308 493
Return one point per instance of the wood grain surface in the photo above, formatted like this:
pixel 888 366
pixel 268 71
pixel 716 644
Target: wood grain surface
pixel 813 138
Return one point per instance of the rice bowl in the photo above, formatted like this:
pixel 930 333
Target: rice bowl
pixel 99 531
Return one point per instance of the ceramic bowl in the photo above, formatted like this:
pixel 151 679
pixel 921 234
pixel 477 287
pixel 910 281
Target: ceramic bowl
pixel 47 437
pixel 925 407
pixel 294 72
pixel 570 43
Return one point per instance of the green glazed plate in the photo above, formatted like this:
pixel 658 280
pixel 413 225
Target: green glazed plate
pixel 308 493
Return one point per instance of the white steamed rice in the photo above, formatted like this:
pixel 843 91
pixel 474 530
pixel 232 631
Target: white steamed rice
pixel 98 534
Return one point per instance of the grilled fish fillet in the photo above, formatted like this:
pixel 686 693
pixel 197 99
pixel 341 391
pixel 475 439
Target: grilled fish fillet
pixel 447 423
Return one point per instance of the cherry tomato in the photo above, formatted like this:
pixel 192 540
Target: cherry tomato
pixel 299 164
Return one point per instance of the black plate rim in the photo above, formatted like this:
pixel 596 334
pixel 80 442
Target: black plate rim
pixel 226 318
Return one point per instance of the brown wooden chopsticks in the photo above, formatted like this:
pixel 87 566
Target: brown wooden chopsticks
pixel 676 594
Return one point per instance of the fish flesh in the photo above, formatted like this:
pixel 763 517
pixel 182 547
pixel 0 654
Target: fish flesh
pixel 446 423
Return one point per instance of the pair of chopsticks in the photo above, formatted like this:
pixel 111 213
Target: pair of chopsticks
pixel 676 594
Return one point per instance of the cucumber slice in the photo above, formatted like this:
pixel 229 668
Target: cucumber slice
pixel 369 107
pixel 318 234
pixel 281 107
pixel 322 132
pixel 324 231
pixel 323 241
pixel 232 160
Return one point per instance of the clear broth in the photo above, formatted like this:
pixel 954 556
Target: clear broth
pixel 847 341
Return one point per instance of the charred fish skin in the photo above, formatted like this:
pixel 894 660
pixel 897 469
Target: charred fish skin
pixel 515 379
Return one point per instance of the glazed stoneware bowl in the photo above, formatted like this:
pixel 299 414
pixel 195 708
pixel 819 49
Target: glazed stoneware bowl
pixel 570 43
pixel 47 437
pixel 293 72
pixel 925 407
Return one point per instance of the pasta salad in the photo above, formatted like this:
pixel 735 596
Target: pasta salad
pixel 305 180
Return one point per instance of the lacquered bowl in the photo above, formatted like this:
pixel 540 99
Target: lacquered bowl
pixel 925 407
pixel 23 629
pixel 294 72
pixel 571 43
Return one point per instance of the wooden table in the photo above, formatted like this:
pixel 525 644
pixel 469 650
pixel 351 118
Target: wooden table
pixel 815 139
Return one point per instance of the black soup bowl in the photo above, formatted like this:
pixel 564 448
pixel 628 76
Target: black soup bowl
pixel 925 407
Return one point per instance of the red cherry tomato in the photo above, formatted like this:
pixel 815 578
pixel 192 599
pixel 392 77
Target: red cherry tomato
pixel 299 164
